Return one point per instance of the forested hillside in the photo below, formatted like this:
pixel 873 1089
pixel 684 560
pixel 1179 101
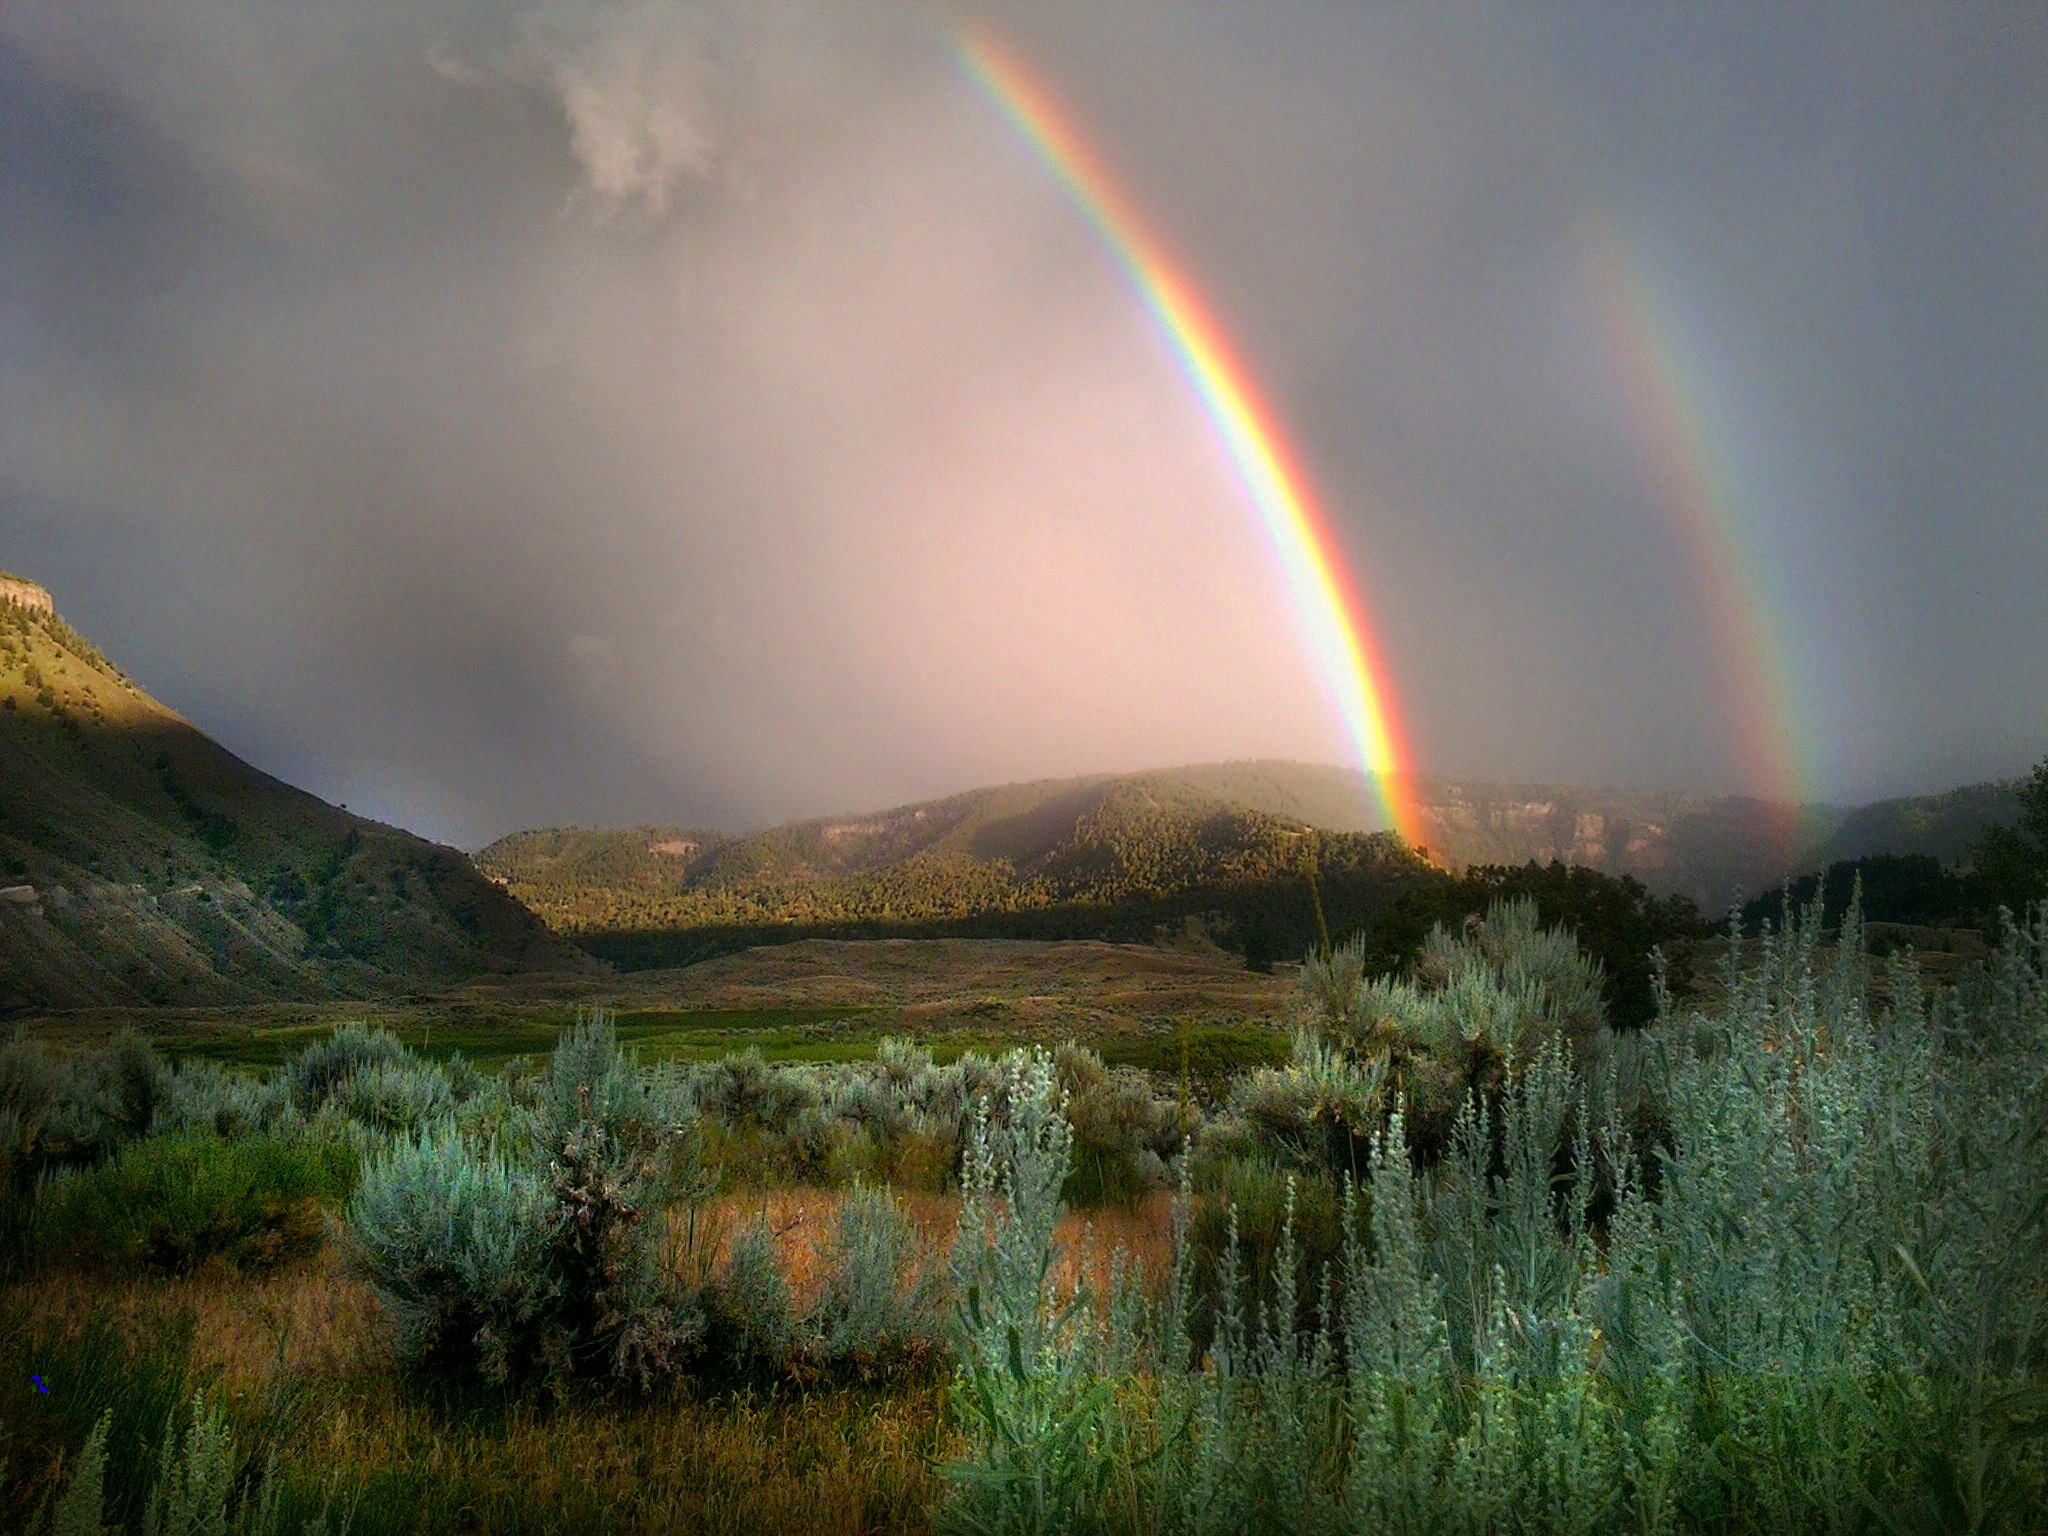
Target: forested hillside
pixel 1097 857
pixel 1945 827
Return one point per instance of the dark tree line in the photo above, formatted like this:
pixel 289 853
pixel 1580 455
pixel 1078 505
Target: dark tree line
pixel 2007 868
pixel 1618 920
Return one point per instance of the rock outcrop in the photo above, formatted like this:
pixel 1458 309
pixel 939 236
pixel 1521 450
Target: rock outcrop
pixel 25 594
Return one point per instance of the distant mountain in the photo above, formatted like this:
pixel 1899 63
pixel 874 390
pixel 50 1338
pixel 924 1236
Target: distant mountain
pixel 142 863
pixel 1173 833
pixel 1108 854
pixel 1107 837
pixel 1944 827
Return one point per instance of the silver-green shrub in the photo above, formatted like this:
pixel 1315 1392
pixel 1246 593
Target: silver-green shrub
pixel 619 1312
pixel 1808 1293
pixel 83 1502
pixel 878 1311
pixel 204 1095
pixel 1031 1389
pixel 195 1480
pixel 1483 999
pixel 453 1239
pixel 198 1491
pixel 538 1253
pixel 749 1326
pixel 321 1070
pixel 905 1120
pixel 1126 1134
pixel 741 1089
pixel 395 1096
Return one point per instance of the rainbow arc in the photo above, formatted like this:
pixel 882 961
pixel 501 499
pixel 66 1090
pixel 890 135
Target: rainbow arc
pixel 1696 489
pixel 1345 650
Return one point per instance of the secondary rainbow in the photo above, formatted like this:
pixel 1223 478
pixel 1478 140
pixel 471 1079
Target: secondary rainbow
pixel 1322 589
pixel 1696 489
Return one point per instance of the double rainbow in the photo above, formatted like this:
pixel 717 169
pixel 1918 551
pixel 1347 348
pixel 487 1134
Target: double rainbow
pixel 1696 487
pixel 1299 528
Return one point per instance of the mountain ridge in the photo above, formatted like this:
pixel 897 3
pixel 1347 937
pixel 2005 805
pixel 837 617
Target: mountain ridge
pixel 1715 849
pixel 1073 857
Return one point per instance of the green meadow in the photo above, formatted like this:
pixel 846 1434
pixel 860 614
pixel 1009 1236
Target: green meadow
pixel 1208 1053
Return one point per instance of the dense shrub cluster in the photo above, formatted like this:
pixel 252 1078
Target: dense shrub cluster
pixel 170 1203
pixel 451 1237
pixel 1485 997
pixel 1470 1261
pixel 877 1313
pixel 904 1120
pixel 1617 921
pixel 1830 1313
pixel 205 1096
pixel 359 1083
pixel 536 1253
pixel 537 1245
pixel 113 1158
pixel 69 1110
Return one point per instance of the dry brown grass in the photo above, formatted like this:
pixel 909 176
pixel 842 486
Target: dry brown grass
pixel 821 1459
pixel 803 1218
pixel 311 1320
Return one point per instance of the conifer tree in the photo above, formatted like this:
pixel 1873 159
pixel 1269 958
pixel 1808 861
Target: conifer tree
pixel 2012 862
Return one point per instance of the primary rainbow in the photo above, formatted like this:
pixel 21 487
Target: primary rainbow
pixel 1696 488
pixel 1299 528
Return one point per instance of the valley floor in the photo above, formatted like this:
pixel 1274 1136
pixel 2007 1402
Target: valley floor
pixel 817 1000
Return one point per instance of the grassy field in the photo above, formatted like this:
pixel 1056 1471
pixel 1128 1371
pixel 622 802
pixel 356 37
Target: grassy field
pixel 1209 1053
pixel 780 1034
pixel 1158 1008
pixel 302 1344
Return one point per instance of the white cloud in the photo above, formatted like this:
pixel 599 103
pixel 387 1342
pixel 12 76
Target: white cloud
pixel 637 86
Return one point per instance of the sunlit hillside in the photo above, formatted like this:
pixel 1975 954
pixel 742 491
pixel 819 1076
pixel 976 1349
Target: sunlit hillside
pixel 142 863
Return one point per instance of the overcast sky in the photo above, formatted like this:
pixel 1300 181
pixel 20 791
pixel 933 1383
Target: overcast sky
pixel 607 411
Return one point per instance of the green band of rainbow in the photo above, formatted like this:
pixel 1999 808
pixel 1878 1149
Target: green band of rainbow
pixel 1328 602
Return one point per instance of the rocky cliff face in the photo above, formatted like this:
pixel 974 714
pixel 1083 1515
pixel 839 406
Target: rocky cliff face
pixel 1471 825
pixel 25 594
pixel 1713 848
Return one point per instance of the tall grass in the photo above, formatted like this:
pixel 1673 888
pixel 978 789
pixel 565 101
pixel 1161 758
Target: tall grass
pixel 171 1203
pixel 1813 1298
pixel 100 1382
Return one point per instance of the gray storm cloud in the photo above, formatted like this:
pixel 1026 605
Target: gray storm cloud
pixel 713 412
